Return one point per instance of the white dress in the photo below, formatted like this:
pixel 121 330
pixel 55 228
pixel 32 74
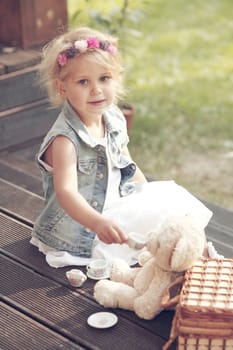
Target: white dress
pixel 142 211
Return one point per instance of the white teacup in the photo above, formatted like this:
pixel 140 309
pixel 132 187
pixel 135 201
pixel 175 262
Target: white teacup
pixel 98 268
pixel 136 240
pixel 76 277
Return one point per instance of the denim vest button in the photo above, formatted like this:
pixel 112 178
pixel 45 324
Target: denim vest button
pixel 133 166
pixel 94 204
pixel 100 176
pixel 87 230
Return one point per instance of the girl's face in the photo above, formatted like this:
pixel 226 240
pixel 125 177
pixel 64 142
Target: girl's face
pixel 89 87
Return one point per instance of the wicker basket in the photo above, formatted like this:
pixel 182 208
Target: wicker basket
pixel 204 315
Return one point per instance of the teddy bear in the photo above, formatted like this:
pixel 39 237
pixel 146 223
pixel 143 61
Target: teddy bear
pixel 170 250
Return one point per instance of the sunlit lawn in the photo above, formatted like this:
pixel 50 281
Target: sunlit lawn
pixel 179 76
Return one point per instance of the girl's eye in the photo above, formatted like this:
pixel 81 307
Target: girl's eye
pixel 83 82
pixel 105 78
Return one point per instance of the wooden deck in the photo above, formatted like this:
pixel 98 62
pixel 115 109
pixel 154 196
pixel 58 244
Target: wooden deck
pixel 39 309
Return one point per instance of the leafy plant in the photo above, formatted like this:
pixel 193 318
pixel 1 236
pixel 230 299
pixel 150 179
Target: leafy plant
pixel 119 18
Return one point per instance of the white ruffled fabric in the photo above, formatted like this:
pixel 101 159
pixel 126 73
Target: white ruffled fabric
pixel 142 211
pixel 213 254
pixel 56 258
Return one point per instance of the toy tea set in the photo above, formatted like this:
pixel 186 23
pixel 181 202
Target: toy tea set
pixel 99 269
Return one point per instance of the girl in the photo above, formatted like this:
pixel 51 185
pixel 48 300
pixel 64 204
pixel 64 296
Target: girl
pixel 85 163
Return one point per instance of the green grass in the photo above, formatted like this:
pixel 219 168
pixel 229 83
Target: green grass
pixel 179 76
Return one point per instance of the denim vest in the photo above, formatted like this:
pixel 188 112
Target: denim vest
pixel 54 226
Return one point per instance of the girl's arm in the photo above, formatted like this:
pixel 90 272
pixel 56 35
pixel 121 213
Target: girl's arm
pixel 61 155
pixel 138 176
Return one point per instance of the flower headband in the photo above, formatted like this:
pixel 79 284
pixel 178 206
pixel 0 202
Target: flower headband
pixel 81 46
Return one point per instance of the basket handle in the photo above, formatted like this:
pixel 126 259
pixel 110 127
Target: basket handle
pixel 167 301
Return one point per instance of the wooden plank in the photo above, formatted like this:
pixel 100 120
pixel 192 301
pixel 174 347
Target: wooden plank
pixel 20 164
pixel 20 87
pixel 20 332
pixel 19 178
pixel 20 202
pixel 218 233
pixel 2 69
pixel 19 59
pixel 222 216
pixel 222 240
pixel 220 229
pixel 24 123
pixel 21 158
pixel 24 152
pixel 66 311
pixel 16 245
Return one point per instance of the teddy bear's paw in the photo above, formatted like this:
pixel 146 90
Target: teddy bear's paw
pixel 104 293
pixel 118 270
pixel 143 257
pixel 144 309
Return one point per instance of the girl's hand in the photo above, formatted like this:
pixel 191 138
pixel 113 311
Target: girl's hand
pixel 108 232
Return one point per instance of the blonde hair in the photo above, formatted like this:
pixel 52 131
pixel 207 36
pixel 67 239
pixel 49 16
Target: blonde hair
pixel 50 70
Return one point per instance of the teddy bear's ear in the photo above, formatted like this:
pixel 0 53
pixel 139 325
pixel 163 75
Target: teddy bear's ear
pixel 184 255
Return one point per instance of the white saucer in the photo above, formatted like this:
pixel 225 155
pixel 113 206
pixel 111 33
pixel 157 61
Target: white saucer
pixel 98 278
pixel 102 320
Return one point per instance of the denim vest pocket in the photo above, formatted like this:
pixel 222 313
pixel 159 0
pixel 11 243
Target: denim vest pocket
pixel 87 166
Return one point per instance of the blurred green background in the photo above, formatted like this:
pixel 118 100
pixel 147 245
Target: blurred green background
pixel 179 76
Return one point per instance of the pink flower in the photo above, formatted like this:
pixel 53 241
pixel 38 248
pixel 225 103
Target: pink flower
pixel 81 45
pixel 112 50
pixel 93 42
pixel 62 59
